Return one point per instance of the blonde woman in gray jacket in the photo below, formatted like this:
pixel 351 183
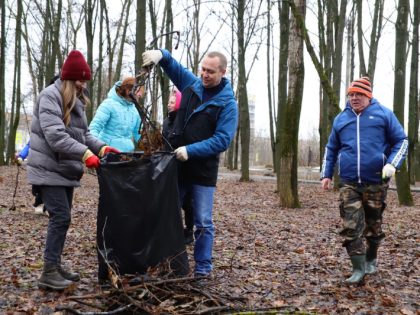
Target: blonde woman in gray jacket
pixel 60 144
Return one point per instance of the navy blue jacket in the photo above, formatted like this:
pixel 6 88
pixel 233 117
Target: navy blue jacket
pixel 362 144
pixel 205 133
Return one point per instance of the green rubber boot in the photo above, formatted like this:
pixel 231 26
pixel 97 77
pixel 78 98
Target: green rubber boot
pixel 358 262
pixel 371 256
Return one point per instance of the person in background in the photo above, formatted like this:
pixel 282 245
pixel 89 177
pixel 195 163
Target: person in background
pixel 39 205
pixel 60 144
pixel 23 154
pixel 366 141
pixel 188 202
pixel 117 120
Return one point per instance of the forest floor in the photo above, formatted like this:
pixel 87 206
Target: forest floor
pixel 268 255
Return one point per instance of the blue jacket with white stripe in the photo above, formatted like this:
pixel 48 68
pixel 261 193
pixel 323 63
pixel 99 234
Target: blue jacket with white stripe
pixel 362 144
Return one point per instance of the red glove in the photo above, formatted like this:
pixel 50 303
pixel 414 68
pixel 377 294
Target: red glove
pixel 109 149
pixel 93 161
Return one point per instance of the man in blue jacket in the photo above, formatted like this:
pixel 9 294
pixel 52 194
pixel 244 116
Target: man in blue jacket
pixel 204 127
pixel 368 144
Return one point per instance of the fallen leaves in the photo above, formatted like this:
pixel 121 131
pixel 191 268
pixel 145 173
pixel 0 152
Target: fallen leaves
pixel 266 255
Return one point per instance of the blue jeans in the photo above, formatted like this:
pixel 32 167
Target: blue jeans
pixel 203 220
pixel 58 201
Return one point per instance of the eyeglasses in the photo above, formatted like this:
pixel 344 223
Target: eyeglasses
pixel 355 95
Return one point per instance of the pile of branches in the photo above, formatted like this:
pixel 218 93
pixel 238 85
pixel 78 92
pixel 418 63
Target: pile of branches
pixel 156 293
pixel 161 291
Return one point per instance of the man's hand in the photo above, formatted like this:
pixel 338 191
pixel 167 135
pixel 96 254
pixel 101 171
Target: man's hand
pixel 181 154
pixel 388 171
pixel 151 57
pixel 326 183
pixel 19 161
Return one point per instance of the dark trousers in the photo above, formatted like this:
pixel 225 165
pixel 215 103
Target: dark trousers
pixel 188 206
pixel 58 201
pixel 361 209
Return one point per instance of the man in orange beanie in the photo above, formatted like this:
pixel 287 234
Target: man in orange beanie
pixel 367 141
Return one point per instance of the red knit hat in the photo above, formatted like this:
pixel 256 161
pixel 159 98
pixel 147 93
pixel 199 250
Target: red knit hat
pixel 75 67
pixel 361 85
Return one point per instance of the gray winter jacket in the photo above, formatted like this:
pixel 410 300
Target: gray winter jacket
pixel 56 151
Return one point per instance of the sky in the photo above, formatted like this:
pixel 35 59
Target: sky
pixel 257 84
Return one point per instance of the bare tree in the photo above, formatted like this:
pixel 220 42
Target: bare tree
pixel 413 103
pixel 90 34
pixel 16 95
pixel 270 103
pixel 2 81
pixel 284 13
pixel 289 147
pixel 401 39
pixel 374 38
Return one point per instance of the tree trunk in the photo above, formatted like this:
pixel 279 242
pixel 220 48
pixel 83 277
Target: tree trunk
pixel 403 185
pixel 243 95
pixel 16 99
pixel 168 46
pixel 289 149
pixel 362 71
pixel 101 45
pixel 156 81
pixel 322 49
pixel 55 45
pixel 238 134
pixel 374 38
pixel 284 12
pixel 25 35
pixel 117 74
pixel 2 81
pixel 270 102
pixel 89 44
pixel 232 146
pixel 140 39
pixel 413 102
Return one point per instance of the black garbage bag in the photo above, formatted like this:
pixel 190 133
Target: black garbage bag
pixel 139 221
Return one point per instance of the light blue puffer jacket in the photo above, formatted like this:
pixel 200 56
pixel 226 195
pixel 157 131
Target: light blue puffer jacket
pixel 116 121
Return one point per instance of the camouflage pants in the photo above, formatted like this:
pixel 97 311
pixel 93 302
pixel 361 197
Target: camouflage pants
pixel 361 209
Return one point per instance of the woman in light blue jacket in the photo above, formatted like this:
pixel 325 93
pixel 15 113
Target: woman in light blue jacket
pixel 116 121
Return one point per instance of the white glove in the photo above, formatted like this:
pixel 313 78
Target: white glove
pixel 181 154
pixel 388 171
pixel 151 57
pixel 19 161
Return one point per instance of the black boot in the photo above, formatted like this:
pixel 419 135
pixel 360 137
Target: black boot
pixel 358 262
pixel 72 276
pixel 371 256
pixel 51 278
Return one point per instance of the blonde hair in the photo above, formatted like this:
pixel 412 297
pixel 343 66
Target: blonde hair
pixel 69 95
